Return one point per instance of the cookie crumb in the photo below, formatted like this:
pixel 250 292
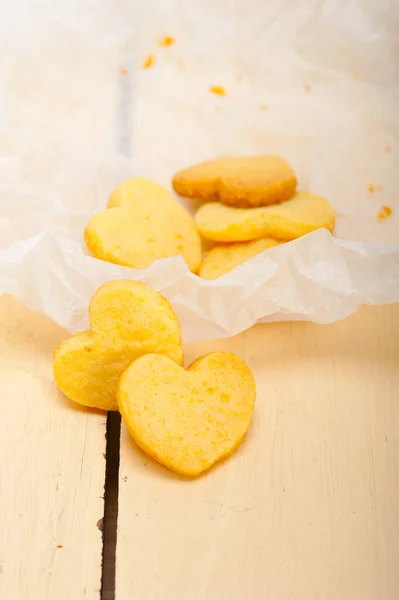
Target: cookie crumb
pixel 60 546
pixel 217 89
pixel 168 40
pixel 263 107
pixel 374 188
pixel 149 61
pixel 123 72
pixel 308 88
pixel 384 213
pixel 388 149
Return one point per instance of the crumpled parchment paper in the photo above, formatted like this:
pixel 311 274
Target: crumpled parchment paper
pixel 316 82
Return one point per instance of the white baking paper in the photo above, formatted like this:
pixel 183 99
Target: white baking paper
pixel 314 81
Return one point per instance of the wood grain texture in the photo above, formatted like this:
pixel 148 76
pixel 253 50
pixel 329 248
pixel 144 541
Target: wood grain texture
pixel 51 471
pixel 307 508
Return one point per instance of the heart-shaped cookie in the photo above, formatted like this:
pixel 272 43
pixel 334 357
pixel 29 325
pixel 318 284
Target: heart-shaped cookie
pixel 187 419
pixel 302 214
pixel 143 223
pixel 223 259
pixel 127 319
pixel 238 181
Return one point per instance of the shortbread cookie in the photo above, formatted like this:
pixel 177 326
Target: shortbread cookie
pixel 238 181
pixel 222 259
pixel 187 419
pixel 292 219
pixel 127 319
pixel 143 223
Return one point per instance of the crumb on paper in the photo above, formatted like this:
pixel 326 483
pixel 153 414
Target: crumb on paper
pixel 100 524
pixel 149 61
pixel 384 213
pixel 308 88
pixel 374 188
pixel 218 90
pixel 123 72
pixel 263 107
pixel 168 40
pixel 388 149
pixel 60 546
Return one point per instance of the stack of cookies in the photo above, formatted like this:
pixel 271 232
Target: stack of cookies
pixel 250 204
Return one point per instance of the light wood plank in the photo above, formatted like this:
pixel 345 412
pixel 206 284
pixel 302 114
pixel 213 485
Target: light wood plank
pixel 52 471
pixel 307 509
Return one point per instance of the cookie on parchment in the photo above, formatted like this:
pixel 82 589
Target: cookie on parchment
pixel 302 214
pixel 143 223
pixel 223 259
pixel 238 181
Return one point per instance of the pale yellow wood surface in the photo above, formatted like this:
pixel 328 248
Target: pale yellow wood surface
pixel 308 508
pixel 51 471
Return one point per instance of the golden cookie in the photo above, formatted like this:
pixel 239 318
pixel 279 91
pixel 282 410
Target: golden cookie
pixel 238 181
pixel 187 419
pixel 127 319
pixel 296 217
pixel 222 259
pixel 143 223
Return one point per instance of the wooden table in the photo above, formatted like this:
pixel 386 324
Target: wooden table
pixel 307 509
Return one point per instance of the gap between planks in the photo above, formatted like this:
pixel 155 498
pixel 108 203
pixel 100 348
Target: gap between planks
pixel 110 519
